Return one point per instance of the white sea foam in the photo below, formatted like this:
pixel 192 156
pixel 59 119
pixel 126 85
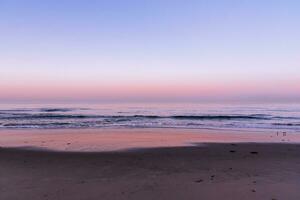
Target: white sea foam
pixel 285 117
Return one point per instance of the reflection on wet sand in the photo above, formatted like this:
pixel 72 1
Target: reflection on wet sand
pixel 122 139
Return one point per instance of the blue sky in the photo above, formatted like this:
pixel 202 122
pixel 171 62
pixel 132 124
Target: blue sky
pixel 149 50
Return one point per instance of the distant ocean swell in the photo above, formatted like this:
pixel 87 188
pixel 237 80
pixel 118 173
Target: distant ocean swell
pixel 178 117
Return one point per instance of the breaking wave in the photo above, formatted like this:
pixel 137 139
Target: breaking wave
pixel 93 118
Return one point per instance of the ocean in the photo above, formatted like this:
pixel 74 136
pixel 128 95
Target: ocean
pixel 189 116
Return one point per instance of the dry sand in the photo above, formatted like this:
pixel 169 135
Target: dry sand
pixel 211 171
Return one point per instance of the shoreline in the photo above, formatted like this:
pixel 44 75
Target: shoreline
pixel 105 140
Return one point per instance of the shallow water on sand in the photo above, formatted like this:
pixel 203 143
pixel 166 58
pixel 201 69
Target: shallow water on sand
pixel 94 140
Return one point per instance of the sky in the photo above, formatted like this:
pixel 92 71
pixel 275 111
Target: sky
pixel 149 50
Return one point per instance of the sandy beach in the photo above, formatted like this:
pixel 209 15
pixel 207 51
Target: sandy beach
pixel 149 100
pixel 112 139
pixel 230 170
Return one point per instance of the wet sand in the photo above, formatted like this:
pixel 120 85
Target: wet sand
pixel 209 171
pixel 95 140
